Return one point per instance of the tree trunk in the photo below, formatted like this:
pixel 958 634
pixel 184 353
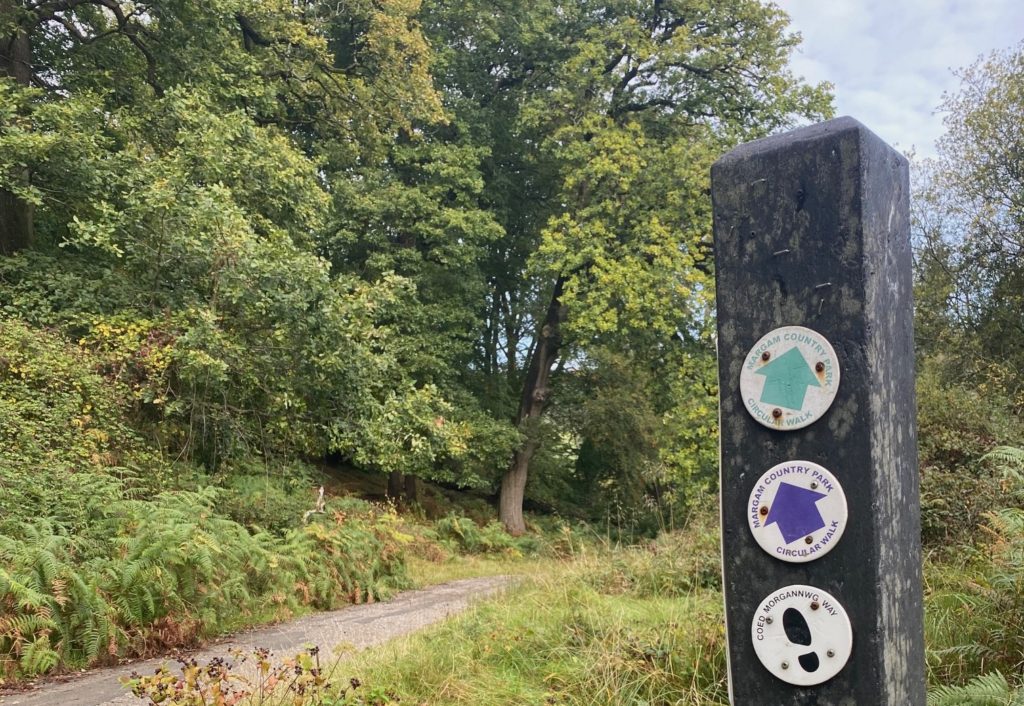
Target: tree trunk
pixel 513 489
pixel 15 62
pixel 412 490
pixel 536 391
pixel 396 484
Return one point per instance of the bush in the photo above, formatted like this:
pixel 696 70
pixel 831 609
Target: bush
pixel 163 573
pixel 104 553
pixel 267 495
pixel 954 505
pixel 676 564
pixel 463 535
pixel 976 615
pixel 64 446
pixel 976 610
pixel 957 426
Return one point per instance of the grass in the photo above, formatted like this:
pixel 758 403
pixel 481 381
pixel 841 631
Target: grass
pixel 424 572
pixel 604 625
pixel 574 632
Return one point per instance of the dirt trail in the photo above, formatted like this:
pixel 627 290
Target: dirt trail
pixel 361 626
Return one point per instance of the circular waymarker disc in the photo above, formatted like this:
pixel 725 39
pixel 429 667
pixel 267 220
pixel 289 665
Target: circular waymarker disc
pixel 797 511
pixel 802 635
pixel 789 378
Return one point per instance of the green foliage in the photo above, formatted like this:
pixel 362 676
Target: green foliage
pixel 163 573
pixel 197 188
pixel 332 228
pixel 987 690
pixel 64 444
pixel 976 613
pixel 957 426
pixel 52 611
pixel 599 123
pixel 102 550
pixel 273 498
pixel 1010 461
pixel 970 231
pixel 464 535
pixel 260 232
pixel 675 564
pixel 564 636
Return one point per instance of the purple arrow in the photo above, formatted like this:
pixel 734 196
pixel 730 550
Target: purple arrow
pixel 795 511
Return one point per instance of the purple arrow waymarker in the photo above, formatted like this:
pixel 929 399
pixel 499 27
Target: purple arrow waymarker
pixel 795 511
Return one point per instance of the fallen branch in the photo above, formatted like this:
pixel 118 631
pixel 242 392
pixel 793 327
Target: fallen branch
pixel 318 510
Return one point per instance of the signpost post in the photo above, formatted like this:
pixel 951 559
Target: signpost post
pixel 820 513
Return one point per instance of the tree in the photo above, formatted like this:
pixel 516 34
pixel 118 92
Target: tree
pixel 270 223
pixel 970 231
pixel 178 155
pixel 601 121
pixel 969 279
pixel 15 63
pixel 284 63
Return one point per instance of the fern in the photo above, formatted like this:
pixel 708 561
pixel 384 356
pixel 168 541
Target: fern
pixel 979 625
pixel 1010 460
pixel 55 614
pixel 987 690
pixel 170 567
pixel 38 657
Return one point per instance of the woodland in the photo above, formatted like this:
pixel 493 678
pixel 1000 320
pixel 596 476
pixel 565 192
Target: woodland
pixel 461 252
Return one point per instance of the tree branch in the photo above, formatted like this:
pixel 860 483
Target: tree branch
pixel 250 34
pixel 639 107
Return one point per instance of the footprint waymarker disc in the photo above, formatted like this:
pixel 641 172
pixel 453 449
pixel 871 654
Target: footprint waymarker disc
pixel 789 378
pixel 797 511
pixel 802 635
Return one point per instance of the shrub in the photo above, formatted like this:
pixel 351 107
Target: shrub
pixel 64 445
pixel 976 611
pixel 103 550
pixel 463 535
pixel 676 564
pixel 299 681
pixel 270 495
pixel 163 573
pixel 957 426
pixel 976 617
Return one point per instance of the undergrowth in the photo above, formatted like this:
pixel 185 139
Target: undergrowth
pixel 462 535
pixel 167 572
pixel 987 690
pixel 108 550
pixel 975 605
pixel 642 625
pixel 256 680
pixel 616 626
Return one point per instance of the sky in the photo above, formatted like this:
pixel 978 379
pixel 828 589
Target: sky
pixel 891 60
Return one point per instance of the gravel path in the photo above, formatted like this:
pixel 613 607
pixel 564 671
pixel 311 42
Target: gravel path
pixel 359 626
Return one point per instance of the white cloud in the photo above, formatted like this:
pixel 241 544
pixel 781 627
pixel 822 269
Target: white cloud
pixel 892 60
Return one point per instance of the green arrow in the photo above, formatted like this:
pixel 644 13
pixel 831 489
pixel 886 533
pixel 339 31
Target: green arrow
pixel 787 379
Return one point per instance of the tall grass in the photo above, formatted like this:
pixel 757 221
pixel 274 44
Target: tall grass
pixel 975 625
pixel 647 631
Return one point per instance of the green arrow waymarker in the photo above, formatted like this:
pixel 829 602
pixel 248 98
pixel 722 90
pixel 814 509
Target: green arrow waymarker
pixel 787 379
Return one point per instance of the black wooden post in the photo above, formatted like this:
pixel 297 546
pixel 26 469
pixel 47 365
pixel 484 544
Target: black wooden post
pixel 812 231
